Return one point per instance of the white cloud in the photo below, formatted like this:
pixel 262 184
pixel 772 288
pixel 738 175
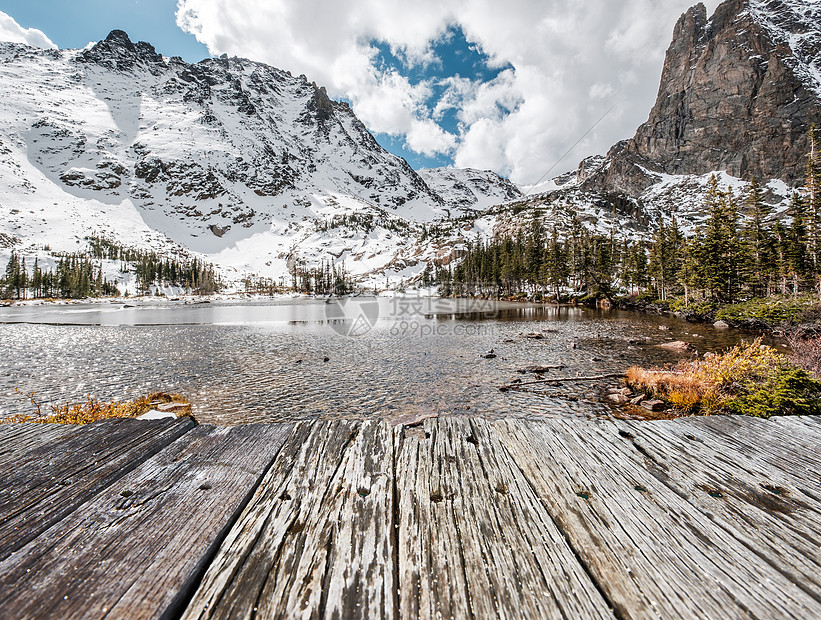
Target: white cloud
pixel 601 91
pixel 571 61
pixel 428 138
pixel 10 30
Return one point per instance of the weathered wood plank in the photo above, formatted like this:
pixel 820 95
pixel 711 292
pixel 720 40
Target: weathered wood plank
pixel 18 439
pixel 474 539
pixel 739 492
pixel 797 454
pixel 138 548
pixel 651 551
pixel 316 540
pixel 806 425
pixel 47 483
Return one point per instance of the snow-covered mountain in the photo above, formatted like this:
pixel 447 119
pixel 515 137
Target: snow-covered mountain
pixel 259 171
pixel 739 92
pixel 246 164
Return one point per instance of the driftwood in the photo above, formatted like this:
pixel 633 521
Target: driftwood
pixel 540 368
pixel 612 375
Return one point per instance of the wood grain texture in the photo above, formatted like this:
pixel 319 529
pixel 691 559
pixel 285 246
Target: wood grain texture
pixel 737 491
pixel 18 439
pixel 138 548
pixel 454 517
pixel 474 538
pixel 654 550
pixel 47 483
pixel 316 539
pixel 789 445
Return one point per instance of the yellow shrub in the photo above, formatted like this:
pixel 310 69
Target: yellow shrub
pixel 92 410
pixel 706 385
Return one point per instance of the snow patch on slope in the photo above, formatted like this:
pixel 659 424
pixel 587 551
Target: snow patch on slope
pixel 796 23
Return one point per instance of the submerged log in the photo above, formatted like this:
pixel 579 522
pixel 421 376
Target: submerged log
pixel 612 375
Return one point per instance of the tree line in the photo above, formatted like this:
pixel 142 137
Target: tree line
pixel 326 279
pixel 152 269
pixel 80 274
pixel 74 276
pixel 741 250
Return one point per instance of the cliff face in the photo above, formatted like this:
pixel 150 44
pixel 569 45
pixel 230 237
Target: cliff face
pixel 738 93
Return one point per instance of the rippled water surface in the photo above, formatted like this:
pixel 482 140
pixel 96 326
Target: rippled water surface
pixel 265 361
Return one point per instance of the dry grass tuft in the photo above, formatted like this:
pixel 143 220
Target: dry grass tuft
pixel 750 378
pixel 806 353
pixel 93 410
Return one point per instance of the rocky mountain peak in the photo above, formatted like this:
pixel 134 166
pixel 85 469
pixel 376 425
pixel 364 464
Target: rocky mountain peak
pixel 739 92
pixel 118 52
pixel 320 104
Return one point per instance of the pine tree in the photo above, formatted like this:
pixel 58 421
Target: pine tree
pixel 756 242
pixel 11 275
pixel 555 268
pixel 718 266
pixel 690 275
pixel 796 244
pixel 813 204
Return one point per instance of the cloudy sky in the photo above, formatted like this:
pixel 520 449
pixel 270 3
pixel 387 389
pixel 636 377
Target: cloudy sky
pixel 472 83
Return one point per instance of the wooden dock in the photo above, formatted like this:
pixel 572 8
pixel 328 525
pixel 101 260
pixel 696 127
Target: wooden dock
pixel 716 517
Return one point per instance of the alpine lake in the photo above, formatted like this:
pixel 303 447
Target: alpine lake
pixel 398 358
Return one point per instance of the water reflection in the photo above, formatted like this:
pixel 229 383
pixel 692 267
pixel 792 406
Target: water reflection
pixel 266 361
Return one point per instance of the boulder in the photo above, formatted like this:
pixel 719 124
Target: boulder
pixel 675 345
pixel 653 405
pixel 721 325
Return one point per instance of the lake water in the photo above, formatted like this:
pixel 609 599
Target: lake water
pixel 397 358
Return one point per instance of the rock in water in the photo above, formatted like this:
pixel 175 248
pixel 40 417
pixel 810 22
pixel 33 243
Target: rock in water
pixel 675 345
pixel 653 405
pixel 721 325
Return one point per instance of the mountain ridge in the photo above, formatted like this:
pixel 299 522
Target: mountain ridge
pixel 230 158
pixel 260 172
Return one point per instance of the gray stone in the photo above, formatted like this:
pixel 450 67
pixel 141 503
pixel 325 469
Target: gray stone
pixel 653 405
pixel 675 345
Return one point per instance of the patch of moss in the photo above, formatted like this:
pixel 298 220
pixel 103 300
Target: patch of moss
pixel 773 310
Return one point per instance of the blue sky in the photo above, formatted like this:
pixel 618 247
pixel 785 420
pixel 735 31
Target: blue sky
pixel 454 57
pixel 73 23
pixel 469 83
